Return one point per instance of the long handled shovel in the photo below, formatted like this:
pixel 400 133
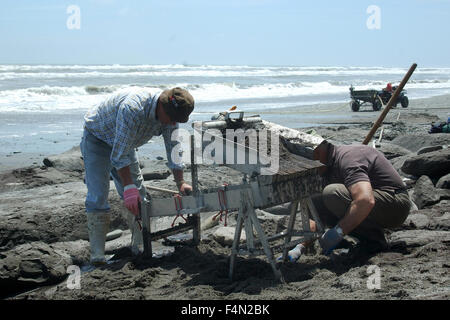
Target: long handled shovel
pixel 390 104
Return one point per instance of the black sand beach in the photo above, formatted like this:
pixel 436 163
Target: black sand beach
pixel 43 226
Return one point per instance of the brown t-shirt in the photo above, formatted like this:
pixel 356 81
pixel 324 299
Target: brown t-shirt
pixel 355 163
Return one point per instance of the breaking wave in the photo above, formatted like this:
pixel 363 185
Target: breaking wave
pixel 62 87
pixel 9 72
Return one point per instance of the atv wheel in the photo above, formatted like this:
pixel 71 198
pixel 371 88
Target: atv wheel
pixel 376 105
pixel 404 102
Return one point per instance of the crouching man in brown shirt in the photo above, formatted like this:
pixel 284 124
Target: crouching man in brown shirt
pixel 365 194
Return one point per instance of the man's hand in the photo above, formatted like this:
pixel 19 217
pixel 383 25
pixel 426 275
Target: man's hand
pixel 185 188
pixel 331 239
pixel 132 198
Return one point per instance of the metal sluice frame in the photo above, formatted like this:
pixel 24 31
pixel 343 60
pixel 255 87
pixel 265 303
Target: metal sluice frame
pixel 255 192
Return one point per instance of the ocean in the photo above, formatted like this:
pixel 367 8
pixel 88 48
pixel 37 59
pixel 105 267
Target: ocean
pixel 42 106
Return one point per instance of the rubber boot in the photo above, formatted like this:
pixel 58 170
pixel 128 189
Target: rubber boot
pixel 137 244
pixel 98 227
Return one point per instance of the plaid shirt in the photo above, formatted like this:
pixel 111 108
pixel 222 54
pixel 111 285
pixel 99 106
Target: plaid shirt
pixel 125 121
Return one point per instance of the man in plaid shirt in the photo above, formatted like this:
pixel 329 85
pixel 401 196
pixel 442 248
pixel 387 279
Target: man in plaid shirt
pixel 112 132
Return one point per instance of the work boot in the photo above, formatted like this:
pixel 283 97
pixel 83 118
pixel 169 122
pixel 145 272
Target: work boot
pixel 137 244
pixel 98 227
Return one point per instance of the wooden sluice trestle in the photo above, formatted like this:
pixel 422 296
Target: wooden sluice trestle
pixel 296 178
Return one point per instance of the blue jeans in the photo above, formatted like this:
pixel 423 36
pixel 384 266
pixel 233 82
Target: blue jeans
pixel 98 170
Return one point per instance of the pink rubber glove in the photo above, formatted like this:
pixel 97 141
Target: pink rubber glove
pixel 131 198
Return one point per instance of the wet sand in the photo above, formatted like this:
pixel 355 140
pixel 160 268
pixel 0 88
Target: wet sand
pixel 293 117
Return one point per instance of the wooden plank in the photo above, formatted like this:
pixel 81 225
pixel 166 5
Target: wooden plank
pixel 292 216
pixel 237 238
pixel 315 215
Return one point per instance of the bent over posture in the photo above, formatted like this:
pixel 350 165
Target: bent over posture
pixel 365 194
pixel 112 132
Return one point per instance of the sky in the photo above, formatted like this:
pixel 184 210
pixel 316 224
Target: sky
pixel 391 33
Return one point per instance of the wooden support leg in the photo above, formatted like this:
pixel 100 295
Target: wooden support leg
pixel 237 238
pixel 196 235
pixel 249 233
pixel 267 250
pixel 305 214
pixel 247 215
pixel 292 216
pixel 315 215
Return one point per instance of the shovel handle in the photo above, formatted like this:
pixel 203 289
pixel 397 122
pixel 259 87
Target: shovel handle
pixel 391 102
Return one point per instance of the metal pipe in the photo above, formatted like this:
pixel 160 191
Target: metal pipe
pixel 222 124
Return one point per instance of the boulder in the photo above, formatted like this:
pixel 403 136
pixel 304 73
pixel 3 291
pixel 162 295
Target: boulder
pixel 225 235
pixel 70 160
pixel 433 164
pixel 422 220
pixel 78 250
pixel 115 245
pixel 392 151
pixel 148 174
pixel 154 170
pixel 444 182
pixel 417 238
pixel 417 221
pixel 414 142
pixel 282 209
pixel 265 215
pixel 442 222
pixel 37 264
pixel 429 149
pixel 398 162
pixel 114 234
pixel 438 209
pixel 393 130
pixel 425 193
